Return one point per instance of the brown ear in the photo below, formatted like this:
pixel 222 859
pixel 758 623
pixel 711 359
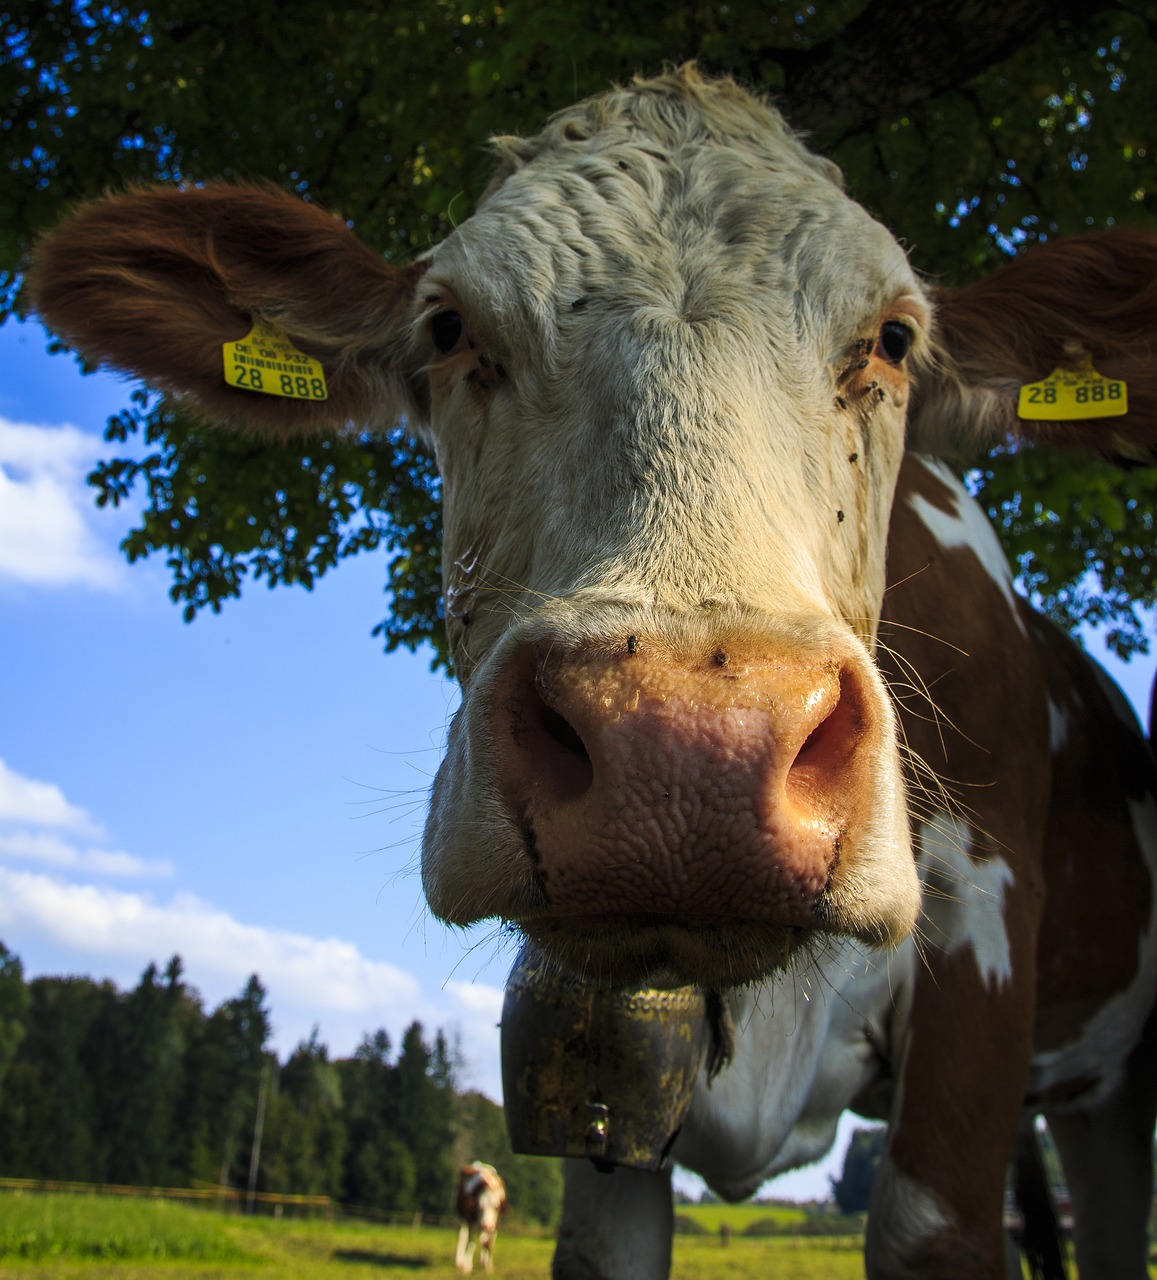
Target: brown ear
pixel 1096 292
pixel 154 282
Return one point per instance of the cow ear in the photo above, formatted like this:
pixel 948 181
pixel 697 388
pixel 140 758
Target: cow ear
pixel 155 282
pixel 1086 296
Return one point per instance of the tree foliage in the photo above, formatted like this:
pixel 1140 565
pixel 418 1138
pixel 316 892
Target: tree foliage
pixel 971 127
pixel 852 1191
pixel 13 1007
pixel 305 1130
pixel 147 1088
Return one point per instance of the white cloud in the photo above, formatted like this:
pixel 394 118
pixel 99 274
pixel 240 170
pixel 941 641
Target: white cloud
pixel 41 803
pixel 478 998
pixel 53 851
pixel 27 802
pixel 324 973
pixel 47 529
pixel 477 1010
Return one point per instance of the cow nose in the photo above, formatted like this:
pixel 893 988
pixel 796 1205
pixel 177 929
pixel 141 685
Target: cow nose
pixel 721 784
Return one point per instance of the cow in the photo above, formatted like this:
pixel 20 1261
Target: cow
pixel 480 1202
pixel 670 372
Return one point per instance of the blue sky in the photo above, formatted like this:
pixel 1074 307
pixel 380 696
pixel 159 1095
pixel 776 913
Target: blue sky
pixel 247 790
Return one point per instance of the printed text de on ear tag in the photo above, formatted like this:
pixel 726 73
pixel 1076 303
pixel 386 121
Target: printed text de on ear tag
pixel 1068 394
pixel 266 361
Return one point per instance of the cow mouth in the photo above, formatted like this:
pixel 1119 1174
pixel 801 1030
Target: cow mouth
pixel 644 948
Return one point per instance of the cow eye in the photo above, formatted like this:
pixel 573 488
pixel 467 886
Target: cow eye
pixel 894 341
pixel 447 329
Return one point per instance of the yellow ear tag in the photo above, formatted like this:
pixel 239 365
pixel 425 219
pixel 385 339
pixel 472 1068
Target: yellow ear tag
pixel 1068 394
pixel 265 360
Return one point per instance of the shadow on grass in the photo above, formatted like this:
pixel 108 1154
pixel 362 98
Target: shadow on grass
pixel 373 1258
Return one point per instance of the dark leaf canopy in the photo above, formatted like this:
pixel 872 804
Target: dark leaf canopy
pixel 970 127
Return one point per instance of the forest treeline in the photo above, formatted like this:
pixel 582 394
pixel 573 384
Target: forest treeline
pixel 146 1087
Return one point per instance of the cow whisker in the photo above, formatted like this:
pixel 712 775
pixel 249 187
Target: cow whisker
pixel 893 624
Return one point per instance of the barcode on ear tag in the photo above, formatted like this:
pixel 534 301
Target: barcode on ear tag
pixel 1069 394
pixel 267 362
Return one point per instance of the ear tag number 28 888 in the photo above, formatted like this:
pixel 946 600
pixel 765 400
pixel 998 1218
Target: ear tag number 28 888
pixel 267 362
pixel 1070 394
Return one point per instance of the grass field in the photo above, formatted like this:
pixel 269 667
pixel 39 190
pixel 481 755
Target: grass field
pixel 77 1237
pixel 740 1217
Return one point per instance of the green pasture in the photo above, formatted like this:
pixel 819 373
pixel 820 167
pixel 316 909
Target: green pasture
pixel 83 1237
pixel 741 1217
pixel 90 1237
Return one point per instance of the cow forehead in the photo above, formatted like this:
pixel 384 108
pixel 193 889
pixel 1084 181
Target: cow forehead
pixel 691 224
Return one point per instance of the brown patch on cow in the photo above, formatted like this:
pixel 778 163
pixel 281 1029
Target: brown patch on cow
pixel 1096 878
pixel 956 722
pixel 1061 823
pixel 961 1255
pixel 918 480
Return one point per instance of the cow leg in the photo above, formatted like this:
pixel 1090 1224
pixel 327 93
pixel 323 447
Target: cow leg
pixel 615 1226
pixel 937 1204
pixel 484 1239
pixel 1108 1161
pixel 1044 1246
pixel 913 1234
pixel 464 1256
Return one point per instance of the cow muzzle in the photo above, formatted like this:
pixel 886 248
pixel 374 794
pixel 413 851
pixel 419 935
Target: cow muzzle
pixel 675 804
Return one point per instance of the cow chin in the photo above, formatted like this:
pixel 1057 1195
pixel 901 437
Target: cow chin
pixel 654 951
pixel 664 952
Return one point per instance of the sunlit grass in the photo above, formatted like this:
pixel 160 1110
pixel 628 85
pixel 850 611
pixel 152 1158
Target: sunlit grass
pixel 768 1257
pixel 82 1237
pixel 739 1217
pixel 36 1227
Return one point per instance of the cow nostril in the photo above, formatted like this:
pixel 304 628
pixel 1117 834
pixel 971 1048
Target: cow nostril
pixel 563 732
pixel 555 754
pixel 828 748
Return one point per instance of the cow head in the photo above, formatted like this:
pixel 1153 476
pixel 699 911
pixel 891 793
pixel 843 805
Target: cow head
pixel 665 368
pixel 668 364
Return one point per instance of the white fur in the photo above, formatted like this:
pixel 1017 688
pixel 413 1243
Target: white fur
pixel 1058 726
pixel 809 1045
pixel 967 527
pixel 964 897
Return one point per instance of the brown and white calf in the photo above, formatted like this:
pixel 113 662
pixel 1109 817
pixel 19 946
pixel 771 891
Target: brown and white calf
pixel 669 370
pixel 480 1202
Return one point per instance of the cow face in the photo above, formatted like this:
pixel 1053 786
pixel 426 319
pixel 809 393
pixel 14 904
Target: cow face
pixel 668 364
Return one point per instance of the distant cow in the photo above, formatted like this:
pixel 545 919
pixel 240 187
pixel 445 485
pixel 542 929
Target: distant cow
pixel 481 1201
pixel 670 371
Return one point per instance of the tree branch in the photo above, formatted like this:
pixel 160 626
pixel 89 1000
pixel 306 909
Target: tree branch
pixel 892 57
